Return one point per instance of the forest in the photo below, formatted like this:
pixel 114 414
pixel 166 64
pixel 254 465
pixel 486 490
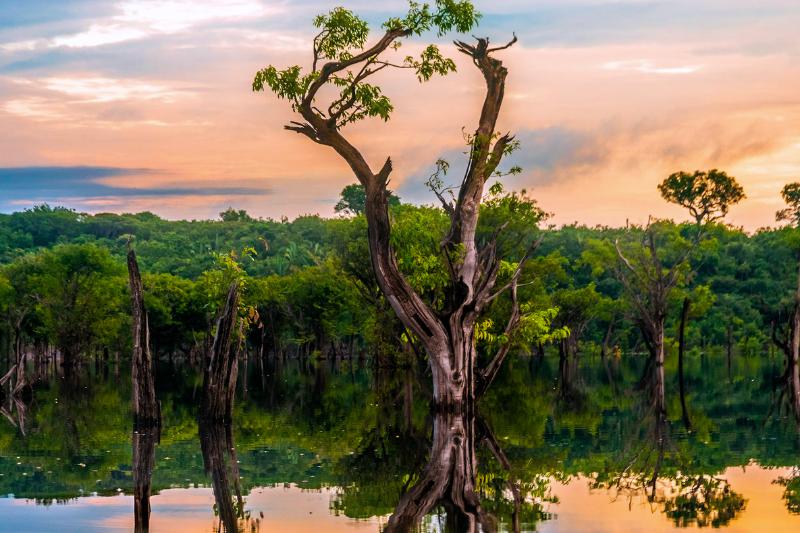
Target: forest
pixel 310 293
pixel 63 283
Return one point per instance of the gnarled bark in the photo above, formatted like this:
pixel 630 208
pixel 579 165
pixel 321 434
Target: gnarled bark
pixel 145 405
pixel 222 363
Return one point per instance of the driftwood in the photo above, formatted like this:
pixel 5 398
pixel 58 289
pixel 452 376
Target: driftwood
pixel 146 412
pixel 219 376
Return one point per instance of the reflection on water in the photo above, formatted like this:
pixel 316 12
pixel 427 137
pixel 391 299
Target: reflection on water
pixel 331 447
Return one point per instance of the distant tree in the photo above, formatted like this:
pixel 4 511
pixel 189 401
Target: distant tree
pixel 235 215
pixel 81 296
pixel 648 282
pixel 706 195
pixel 353 200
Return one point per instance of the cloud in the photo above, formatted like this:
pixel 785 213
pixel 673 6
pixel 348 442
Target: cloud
pixel 648 67
pixel 137 19
pixel 86 185
pixel 544 155
pixel 96 89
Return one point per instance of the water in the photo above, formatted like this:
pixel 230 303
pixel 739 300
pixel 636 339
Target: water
pixel 334 447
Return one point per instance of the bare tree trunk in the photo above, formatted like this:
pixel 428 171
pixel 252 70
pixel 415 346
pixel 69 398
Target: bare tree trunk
pixel 794 367
pixel 145 405
pixel 681 349
pixel 144 454
pixel 219 377
pixel 659 387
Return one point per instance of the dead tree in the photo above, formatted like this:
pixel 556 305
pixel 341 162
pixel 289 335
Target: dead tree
pixel 145 405
pixel 222 362
pixel 144 454
pixel 446 334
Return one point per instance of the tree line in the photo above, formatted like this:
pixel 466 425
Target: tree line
pixel 310 282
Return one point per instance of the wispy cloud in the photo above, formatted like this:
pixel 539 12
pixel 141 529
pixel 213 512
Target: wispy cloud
pixel 137 19
pixel 97 89
pixel 86 185
pixel 648 67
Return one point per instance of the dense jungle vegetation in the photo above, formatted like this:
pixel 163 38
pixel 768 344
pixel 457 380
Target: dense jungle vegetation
pixel 310 291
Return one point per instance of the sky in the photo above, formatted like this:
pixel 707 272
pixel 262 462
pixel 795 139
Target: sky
pixel 134 105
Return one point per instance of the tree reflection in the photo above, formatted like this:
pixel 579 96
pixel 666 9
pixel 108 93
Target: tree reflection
pixel 144 454
pixel 450 482
pixel 791 490
pixel 653 467
pixel 221 464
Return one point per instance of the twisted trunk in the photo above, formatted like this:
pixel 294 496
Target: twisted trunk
pixel 447 335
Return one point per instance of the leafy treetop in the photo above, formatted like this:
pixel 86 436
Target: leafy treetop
pixel 791 195
pixel 707 195
pixel 341 42
pixel 353 200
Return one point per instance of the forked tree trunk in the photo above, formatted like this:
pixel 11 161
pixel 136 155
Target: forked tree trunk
pixel 220 373
pixel 144 454
pixel 446 335
pixel 145 405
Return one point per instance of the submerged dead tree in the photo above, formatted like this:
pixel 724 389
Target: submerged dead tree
pixel 222 361
pixel 791 195
pixel 145 405
pixel 342 62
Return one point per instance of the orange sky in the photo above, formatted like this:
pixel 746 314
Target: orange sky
pixel 607 98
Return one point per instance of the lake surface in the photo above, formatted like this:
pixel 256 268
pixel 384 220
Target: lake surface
pixel 335 446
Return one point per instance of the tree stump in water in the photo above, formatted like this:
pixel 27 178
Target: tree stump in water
pixel 145 406
pixel 220 372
